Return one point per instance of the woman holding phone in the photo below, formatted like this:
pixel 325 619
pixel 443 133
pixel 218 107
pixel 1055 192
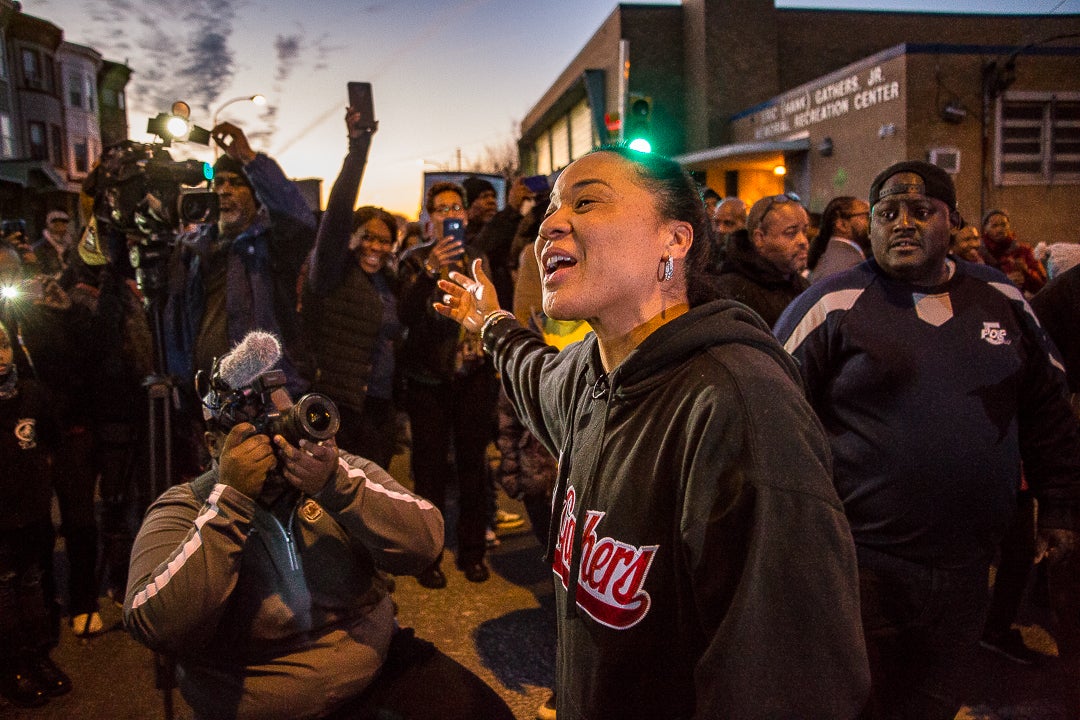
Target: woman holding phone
pixel 703 565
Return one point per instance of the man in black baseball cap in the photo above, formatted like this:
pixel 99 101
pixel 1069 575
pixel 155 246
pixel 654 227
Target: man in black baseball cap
pixel 912 208
pixel 926 372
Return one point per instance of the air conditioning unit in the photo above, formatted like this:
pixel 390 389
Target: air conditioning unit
pixel 948 159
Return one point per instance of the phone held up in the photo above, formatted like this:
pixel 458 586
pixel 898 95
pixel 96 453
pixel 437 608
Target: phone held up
pixel 455 228
pixel 361 101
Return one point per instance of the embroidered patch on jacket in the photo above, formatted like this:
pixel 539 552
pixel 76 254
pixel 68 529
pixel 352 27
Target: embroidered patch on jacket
pixel 935 310
pixel 311 511
pixel 994 334
pixel 26 434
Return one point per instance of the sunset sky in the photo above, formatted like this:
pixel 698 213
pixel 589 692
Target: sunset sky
pixel 448 77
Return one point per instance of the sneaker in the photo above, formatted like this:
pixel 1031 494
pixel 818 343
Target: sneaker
pixel 547 710
pixel 507 520
pixel 21 688
pixel 491 538
pixel 51 678
pixel 86 625
pixel 1010 644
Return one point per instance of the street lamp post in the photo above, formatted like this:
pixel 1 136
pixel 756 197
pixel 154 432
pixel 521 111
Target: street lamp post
pixel 258 99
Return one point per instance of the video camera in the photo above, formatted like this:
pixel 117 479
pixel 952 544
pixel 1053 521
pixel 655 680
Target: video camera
pixel 266 405
pixel 140 190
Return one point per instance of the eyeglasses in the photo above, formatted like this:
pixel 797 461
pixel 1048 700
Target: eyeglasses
pixel 762 208
pixel 444 209
pixel 221 181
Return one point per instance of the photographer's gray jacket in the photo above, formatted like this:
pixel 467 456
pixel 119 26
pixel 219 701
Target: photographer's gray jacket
pixel 270 618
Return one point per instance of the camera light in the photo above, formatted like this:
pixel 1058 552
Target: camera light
pixel 9 292
pixel 177 126
pixel 208 171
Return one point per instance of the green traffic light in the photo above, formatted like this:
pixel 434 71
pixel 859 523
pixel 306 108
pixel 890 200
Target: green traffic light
pixel 641 145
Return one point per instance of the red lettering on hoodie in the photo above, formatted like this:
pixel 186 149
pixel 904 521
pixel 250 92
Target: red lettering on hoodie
pixel 611 574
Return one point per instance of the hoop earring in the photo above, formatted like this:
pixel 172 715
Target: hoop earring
pixel 665 270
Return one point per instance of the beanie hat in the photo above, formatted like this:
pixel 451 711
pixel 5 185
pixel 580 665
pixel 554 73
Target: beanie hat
pixel 936 183
pixel 474 186
pixel 228 164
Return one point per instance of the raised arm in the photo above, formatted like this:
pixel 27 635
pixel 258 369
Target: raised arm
pixel 332 240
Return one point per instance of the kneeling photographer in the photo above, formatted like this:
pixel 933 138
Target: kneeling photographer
pixel 264 576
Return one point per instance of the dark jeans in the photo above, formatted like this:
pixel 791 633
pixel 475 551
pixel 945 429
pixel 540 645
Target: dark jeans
pixel 418 682
pixel 1014 567
pixel 24 617
pixel 74 479
pixel 921 625
pixel 454 416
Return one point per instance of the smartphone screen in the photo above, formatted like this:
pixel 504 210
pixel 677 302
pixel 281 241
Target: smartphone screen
pixel 456 228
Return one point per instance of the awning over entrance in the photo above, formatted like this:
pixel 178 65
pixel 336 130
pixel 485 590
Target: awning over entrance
pixel 743 151
pixel 35 175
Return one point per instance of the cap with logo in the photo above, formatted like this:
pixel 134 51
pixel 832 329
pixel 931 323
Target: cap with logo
pixel 936 183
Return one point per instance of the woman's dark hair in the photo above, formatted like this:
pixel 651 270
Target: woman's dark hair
pixel 678 198
pixel 839 207
pixel 369 212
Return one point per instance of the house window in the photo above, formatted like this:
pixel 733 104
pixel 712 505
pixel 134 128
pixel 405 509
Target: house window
pixel 31 67
pixel 89 92
pixel 38 149
pixel 1038 139
pixel 7 136
pixel 75 91
pixel 82 155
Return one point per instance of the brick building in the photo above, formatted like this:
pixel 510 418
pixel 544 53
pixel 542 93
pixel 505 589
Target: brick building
pixel 736 89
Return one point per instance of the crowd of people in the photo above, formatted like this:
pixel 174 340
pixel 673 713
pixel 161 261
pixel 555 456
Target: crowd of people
pixel 745 437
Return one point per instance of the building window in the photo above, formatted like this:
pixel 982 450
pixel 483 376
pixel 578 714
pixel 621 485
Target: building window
pixel 82 155
pixel 560 143
pixel 75 90
pixel 38 149
pixel 543 154
pixel 582 137
pixel 7 136
pixel 57 155
pixel 31 67
pixel 89 92
pixel 1038 139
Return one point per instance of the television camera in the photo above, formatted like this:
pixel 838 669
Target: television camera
pixel 140 191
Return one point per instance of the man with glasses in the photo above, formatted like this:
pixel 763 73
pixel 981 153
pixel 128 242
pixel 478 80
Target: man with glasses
pixel 844 239
pixel 441 363
pixel 934 382
pixel 765 261
pixel 238 275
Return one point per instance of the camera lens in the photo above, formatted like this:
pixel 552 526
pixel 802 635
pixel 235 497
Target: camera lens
pixel 317 416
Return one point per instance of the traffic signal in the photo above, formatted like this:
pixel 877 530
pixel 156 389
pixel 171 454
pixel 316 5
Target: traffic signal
pixel 638 130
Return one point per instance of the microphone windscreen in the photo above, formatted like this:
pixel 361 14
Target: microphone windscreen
pixel 256 354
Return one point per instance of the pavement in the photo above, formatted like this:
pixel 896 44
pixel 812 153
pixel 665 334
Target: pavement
pixel 503 630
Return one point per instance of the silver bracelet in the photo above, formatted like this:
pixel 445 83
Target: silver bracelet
pixel 491 318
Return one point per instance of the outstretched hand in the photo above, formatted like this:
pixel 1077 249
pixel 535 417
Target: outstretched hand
pixel 468 301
